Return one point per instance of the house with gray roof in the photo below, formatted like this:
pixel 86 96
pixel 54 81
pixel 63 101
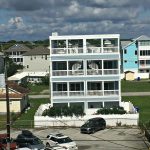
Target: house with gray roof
pixel 16 52
pixel 36 60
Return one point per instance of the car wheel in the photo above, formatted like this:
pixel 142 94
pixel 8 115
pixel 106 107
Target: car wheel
pixel 47 145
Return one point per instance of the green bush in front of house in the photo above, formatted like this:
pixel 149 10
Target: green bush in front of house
pixel 64 111
pixel 114 110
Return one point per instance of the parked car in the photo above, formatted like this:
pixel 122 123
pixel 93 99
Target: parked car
pixel 3 142
pixel 92 125
pixel 60 140
pixel 56 147
pixel 27 140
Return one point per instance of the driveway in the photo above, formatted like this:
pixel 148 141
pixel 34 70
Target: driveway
pixel 119 138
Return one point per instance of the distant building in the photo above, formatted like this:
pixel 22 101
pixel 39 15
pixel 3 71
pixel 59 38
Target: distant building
pixel 143 44
pixel 129 56
pixel 85 70
pixel 135 55
pixel 36 60
pixel 16 52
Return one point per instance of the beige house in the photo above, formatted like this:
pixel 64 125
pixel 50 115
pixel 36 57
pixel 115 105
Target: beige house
pixel 36 60
pixel 17 97
pixel 129 75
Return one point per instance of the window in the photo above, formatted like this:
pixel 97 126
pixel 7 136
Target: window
pixel 135 52
pixel 27 66
pixel 125 51
pixel 125 61
pixel 31 58
pixel 135 62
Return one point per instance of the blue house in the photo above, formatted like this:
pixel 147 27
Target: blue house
pixel 129 56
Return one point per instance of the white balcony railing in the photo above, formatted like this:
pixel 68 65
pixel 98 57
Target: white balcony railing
pixel 144 66
pixel 111 92
pixel 110 49
pixel 90 50
pixel 81 72
pixel 67 51
pixel 60 93
pixel 59 73
pixel 94 72
pixel 75 50
pixel 94 50
pixel 59 51
pixel 110 71
pixel 76 93
pixel 67 72
pixel 94 92
pixel 75 72
pixel 88 93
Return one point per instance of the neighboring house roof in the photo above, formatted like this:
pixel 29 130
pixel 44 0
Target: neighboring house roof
pixel 15 91
pixel 38 51
pixel 17 88
pixel 125 43
pixel 18 47
pixel 143 38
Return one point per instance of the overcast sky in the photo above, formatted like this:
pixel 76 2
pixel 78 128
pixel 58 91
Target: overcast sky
pixel 37 19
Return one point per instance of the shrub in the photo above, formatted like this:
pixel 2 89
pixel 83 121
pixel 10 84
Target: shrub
pixel 114 110
pixel 64 111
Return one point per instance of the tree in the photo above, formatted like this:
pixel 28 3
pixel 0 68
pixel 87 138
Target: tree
pixel 12 67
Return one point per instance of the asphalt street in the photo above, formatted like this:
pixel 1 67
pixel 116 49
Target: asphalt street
pixel 118 138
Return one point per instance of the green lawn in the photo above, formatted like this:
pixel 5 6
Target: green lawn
pixel 135 86
pixel 26 119
pixel 143 102
pixel 37 89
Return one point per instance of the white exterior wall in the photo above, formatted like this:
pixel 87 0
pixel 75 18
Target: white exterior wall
pixel 111 120
pixel 84 78
pixel 38 63
pixel 140 48
pixel 15 106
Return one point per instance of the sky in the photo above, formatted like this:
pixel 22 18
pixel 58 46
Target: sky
pixel 37 19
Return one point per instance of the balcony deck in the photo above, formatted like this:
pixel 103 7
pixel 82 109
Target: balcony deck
pixel 88 72
pixel 88 93
pixel 90 50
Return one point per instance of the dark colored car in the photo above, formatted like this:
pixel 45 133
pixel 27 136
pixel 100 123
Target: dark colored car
pixel 27 139
pixel 93 125
pixel 3 142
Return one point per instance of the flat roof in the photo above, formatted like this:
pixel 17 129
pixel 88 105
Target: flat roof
pixel 94 36
pixel 21 75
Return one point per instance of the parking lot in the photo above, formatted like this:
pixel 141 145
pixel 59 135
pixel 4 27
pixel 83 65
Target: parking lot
pixel 120 138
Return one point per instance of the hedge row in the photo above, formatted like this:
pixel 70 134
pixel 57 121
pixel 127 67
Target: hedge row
pixel 64 111
pixel 114 110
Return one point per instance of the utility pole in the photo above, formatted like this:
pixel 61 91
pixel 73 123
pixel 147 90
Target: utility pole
pixel 7 104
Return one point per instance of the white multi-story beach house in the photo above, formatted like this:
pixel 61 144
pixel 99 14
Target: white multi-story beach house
pixel 85 70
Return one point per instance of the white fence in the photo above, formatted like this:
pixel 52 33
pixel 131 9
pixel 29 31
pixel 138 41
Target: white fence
pixel 111 120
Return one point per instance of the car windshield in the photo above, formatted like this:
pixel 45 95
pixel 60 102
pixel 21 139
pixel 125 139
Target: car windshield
pixel 64 140
pixel 89 122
